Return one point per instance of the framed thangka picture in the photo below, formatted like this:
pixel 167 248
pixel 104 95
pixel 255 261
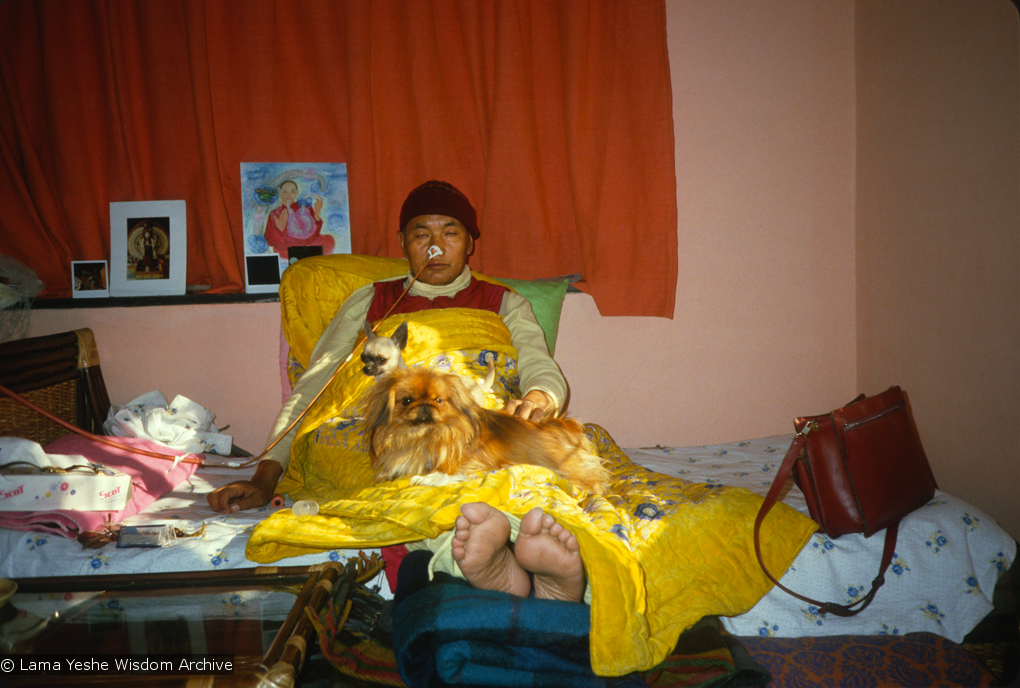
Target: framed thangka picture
pixel 294 209
pixel 148 248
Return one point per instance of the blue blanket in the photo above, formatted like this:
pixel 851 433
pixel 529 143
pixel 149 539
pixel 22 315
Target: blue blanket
pixel 448 633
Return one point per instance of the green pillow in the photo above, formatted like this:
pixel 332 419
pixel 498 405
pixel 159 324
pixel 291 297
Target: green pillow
pixel 546 298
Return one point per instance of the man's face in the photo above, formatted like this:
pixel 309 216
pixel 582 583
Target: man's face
pixel 436 230
pixel 288 193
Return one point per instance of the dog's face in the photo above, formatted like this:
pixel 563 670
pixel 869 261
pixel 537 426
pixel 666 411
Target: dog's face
pixel 420 396
pixel 419 418
pixel 383 355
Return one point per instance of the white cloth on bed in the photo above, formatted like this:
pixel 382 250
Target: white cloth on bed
pixel 220 546
pixel 948 557
pixel 181 424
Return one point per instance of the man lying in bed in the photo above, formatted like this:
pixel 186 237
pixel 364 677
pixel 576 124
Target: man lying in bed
pixel 438 214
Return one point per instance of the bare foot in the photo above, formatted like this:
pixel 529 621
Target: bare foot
pixel 551 552
pixel 480 549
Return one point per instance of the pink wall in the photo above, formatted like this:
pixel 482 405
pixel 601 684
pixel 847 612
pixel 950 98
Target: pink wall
pixel 938 233
pixel 224 357
pixel 766 324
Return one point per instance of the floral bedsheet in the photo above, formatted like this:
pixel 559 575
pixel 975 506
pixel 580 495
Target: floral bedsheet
pixel 948 556
pixel 208 541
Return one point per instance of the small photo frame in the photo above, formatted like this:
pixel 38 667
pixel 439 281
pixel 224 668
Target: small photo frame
pixel 296 253
pixel 89 279
pixel 148 248
pixel 262 274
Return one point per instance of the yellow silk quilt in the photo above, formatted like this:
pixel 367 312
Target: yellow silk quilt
pixel 660 552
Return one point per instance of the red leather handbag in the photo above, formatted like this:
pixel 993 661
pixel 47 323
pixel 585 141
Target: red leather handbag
pixel 861 468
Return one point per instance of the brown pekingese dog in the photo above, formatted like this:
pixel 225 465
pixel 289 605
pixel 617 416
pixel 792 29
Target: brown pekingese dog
pixel 425 421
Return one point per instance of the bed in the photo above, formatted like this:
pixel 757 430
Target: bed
pixel 949 560
pixel 951 571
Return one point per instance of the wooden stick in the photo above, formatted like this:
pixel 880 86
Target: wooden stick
pixel 178 579
pixel 295 647
pixel 276 647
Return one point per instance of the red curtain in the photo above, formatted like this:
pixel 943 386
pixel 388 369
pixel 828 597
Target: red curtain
pixel 553 117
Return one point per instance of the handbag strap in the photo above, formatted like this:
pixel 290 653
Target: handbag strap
pixel 782 475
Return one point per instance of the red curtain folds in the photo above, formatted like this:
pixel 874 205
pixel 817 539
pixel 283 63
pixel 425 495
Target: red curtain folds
pixel 554 117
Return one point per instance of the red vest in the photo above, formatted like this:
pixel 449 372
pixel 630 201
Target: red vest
pixel 478 294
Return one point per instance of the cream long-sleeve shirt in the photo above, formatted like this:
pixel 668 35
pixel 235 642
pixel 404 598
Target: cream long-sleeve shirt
pixel 535 366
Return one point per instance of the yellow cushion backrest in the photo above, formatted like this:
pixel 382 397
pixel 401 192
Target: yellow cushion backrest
pixel 313 289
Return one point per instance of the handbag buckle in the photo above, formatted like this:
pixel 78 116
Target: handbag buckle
pixel 808 427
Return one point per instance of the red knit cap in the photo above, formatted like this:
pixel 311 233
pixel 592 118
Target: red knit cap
pixel 439 198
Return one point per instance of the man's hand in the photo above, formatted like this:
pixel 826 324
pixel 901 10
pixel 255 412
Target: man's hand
pixel 281 219
pixel 534 406
pixel 247 494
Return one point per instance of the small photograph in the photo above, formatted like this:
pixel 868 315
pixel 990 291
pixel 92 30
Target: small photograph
pixel 89 279
pixel 296 253
pixel 261 274
pixel 148 248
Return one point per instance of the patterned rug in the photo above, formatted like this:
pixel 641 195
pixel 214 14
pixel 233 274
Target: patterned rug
pixel 916 659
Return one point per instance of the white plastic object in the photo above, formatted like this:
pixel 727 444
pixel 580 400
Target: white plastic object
pixel 434 251
pixel 305 507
